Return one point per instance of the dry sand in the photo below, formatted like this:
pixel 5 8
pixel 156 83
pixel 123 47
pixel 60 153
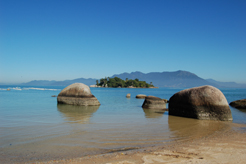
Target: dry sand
pixel 226 147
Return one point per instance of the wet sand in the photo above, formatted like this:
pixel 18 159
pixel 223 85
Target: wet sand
pixel 223 146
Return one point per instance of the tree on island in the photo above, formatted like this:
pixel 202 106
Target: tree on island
pixel 119 83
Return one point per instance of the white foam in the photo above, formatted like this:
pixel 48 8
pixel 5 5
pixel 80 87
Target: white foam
pixel 32 88
pixel 29 88
pixel 16 88
pixel 42 89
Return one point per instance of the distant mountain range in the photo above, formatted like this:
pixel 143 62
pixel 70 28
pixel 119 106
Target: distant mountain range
pixel 175 79
pixel 89 81
pixel 167 79
pixel 227 84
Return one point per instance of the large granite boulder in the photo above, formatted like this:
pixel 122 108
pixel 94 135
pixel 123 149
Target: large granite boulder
pixel 205 103
pixel 77 94
pixel 152 102
pixel 240 104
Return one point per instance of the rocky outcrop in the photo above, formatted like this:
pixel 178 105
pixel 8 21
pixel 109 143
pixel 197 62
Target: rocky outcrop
pixel 141 96
pixel 128 95
pixel 240 104
pixel 152 102
pixel 77 94
pixel 205 103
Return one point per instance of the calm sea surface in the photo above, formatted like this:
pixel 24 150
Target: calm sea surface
pixel 33 127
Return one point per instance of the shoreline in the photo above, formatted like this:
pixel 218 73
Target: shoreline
pixel 223 146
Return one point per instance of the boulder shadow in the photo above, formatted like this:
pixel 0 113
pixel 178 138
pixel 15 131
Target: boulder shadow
pixel 76 114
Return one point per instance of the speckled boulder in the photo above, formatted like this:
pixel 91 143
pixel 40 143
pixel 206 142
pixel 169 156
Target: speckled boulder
pixel 205 103
pixel 240 104
pixel 152 102
pixel 128 95
pixel 77 94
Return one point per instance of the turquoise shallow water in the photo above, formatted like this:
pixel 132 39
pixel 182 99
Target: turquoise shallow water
pixel 33 127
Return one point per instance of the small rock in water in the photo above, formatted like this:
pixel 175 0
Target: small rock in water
pixel 152 102
pixel 165 100
pixel 141 96
pixel 240 104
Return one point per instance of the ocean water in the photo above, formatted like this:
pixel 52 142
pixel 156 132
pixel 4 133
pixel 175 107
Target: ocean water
pixel 34 128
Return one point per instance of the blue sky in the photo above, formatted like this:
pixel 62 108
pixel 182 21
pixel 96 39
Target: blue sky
pixel 59 40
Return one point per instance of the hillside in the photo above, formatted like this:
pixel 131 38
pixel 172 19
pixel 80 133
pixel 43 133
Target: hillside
pixel 227 84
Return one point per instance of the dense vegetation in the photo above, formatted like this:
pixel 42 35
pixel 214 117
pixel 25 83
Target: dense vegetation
pixel 117 82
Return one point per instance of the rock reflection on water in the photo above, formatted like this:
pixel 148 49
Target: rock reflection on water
pixel 77 114
pixel 153 113
pixel 188 128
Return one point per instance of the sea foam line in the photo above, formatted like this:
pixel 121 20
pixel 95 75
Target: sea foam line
pixel 42 89
pixel 13 88
pixel 29 88
pixel 16 88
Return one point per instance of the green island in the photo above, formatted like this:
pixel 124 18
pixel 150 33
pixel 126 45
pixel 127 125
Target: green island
pixel 119 83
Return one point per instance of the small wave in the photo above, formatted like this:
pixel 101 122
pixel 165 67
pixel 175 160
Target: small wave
pixel 42 89
pixel 16 88
pixel 11 88
pixel 29 88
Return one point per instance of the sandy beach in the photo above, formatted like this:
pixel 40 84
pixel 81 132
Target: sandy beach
pixel 228 146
